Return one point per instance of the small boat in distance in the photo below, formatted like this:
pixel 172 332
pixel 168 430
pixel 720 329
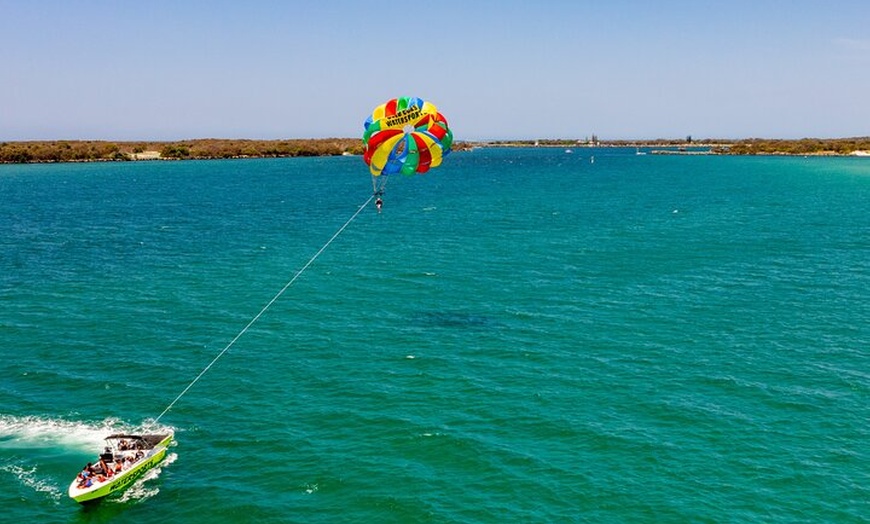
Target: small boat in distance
pixel 125 458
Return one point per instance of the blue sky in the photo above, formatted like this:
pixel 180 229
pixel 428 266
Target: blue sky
pixel 160 70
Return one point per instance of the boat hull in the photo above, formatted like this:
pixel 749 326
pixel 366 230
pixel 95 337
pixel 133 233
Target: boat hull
pixel 122 480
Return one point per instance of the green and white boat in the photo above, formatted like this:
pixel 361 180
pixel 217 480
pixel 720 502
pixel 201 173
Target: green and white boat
pixel 125 458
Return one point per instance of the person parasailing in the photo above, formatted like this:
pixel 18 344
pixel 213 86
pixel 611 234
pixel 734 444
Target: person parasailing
pixel 404 135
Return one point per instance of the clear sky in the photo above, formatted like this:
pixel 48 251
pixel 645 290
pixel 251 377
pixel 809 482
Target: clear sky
pixel 168 70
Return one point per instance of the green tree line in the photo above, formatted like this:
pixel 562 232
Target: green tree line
pixel 95 150
pixel 804 146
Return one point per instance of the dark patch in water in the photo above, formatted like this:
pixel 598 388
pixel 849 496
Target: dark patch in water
pixel 452 319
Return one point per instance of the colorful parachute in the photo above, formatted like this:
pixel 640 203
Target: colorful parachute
pixel 405 135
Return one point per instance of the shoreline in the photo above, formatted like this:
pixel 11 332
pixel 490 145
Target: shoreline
pixel 63 151
pixel 60 151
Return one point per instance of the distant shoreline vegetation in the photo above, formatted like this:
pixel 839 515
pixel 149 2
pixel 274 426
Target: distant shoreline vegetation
pixel 751 146
pixel 106 151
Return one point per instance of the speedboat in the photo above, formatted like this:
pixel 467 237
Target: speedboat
pixel 125 458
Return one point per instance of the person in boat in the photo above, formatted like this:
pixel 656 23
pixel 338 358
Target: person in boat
pixel 85 476
pixel 123 445
pixel 105 467
pixel 119 466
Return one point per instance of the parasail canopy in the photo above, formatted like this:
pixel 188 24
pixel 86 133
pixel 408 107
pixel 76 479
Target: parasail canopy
pixel 405 135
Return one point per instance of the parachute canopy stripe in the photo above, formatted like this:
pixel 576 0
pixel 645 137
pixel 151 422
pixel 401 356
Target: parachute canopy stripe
pixel 377 140
pixel 391 107
pixel 383 154
pixel 437 131
pixel 425 154
pixel 411 156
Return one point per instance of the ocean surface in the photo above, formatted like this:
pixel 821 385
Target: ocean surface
pixel 522 335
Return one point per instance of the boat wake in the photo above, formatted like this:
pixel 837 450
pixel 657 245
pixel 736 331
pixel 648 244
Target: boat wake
pixel 29 477
pixel 38 432
pixel 141 490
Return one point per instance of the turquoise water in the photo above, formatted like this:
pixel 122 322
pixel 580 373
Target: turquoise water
pixel 522 335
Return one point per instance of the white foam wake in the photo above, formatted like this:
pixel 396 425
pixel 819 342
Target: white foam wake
pixel 30 478
pixel 41 432
pixel 141 490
